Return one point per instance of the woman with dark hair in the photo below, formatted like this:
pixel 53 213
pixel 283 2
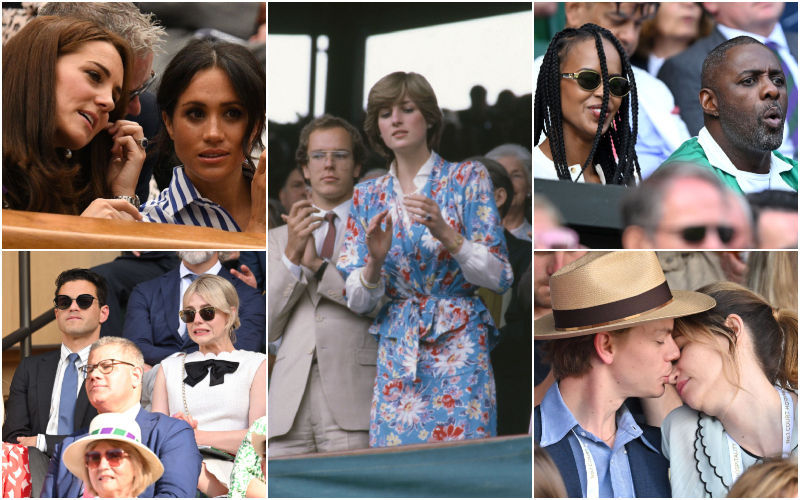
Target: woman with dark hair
pixel 66 149
pixel 213 101
pixel 442 240
pixel 737 374
pixel 583 96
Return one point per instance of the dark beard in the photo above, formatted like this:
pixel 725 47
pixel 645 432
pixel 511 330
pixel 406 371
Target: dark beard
pixel 751 133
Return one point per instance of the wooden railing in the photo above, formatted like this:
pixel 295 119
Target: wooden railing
pixel 39 230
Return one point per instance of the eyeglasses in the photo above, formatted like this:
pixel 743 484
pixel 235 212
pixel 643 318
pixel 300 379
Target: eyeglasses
pixel 64 302
pixel 105 366
pixel 590 80
pixel 144 87
pixel 696 234
pixel 338 156
pixel 114 457
pixel 207 313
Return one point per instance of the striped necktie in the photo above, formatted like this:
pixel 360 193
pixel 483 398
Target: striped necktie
pixel 791 89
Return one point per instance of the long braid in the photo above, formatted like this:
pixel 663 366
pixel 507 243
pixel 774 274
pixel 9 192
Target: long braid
pixel 604 107
pixel 628 164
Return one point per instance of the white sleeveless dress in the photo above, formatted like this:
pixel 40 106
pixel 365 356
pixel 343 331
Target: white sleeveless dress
pixel 225 407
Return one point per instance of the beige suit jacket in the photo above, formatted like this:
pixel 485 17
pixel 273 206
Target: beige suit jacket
pixel 308 313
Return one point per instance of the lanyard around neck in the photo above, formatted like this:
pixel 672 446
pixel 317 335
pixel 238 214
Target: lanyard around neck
pixel 787 426
pixel 592 484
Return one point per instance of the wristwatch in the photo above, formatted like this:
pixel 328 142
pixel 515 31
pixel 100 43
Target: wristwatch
pixel 321 271
pixel 133 200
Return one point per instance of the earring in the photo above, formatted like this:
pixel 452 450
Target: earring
pixel 68 154
pixel 430 126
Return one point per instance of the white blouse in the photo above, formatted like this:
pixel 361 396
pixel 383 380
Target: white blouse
pixel 544 168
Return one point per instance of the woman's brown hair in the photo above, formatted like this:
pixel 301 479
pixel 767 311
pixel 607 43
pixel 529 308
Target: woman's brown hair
pixel 773 332
pixel 647 37
pixel 776 478
pixel 390 90
pixel 35 176
pixel 142 475
pixel 547 481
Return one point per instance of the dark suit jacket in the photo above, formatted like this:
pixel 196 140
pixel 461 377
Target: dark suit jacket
pixel 152 318
pixel 681 73
pixel 29 401
pixel 172 440
pixel 649 470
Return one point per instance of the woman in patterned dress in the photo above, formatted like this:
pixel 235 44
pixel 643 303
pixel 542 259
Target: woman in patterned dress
pixel 426 235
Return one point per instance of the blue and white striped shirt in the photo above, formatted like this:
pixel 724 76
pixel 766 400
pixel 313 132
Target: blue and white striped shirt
pixel 181 203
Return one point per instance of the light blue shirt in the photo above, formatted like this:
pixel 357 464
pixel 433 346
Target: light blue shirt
pixel 613 468
pixel 181 203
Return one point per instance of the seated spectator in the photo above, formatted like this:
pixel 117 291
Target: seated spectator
pixel 249 477
pixel 225 403
pixel 584 152
pixel 775 478
pixel 775 218
pixel 517 162
pixel 675 27
pixel 213 134
pixel 744 119
pixel 293 187
pixel 548 230
pixel 111 460
pixel 114 385
pixel 62 124
pixel 761 21
pixel 681 206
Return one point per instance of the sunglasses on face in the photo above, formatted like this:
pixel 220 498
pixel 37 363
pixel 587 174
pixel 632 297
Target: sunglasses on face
pixel 590 80
pixel 64 302
pixel 207 313
pixel 114 457
pixel 696 234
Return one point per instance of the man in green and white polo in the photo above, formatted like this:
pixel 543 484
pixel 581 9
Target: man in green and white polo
pixel 745 99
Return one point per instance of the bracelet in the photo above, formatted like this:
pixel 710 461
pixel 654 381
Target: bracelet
pixel 367 285
pixel 458 240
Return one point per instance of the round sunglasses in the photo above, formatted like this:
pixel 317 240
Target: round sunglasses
pixel 590 80
pixel 207 313
pixel 64 302
pixel 114 457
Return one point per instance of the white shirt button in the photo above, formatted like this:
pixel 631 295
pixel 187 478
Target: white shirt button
pixel 583 434
pixel 310 350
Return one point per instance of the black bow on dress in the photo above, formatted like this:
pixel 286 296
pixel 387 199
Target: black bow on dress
pixel 197 371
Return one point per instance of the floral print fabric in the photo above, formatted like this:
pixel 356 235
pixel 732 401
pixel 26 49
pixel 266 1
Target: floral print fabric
pixel 16 473
pixel 247 465
pixel 434 379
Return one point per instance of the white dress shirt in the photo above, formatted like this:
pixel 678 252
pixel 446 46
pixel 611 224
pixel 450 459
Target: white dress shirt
pixel 185 282
pixel 55 400
pixel 479 267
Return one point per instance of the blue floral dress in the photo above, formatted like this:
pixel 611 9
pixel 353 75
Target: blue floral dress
pixel 434 380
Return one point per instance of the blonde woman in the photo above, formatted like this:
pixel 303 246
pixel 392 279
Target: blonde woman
pixel 220 391
pixel 442 240
pixel 111 460
pixel 737 382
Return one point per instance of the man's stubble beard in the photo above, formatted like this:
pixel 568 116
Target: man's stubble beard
pixel 740 133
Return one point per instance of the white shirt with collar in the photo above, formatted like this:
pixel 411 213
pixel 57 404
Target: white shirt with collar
pixel 185 282
pixel 545 168
pixel 319 234
pixel 779 38
pixel 55 400
pixel 748 181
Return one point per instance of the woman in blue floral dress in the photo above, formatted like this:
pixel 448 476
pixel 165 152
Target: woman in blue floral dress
pixel 426 235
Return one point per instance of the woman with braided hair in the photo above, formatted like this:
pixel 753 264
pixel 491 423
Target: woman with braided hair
pixel 585 104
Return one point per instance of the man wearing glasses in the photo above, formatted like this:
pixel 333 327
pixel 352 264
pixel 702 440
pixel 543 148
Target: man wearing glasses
pixel 321 388
pixel 113 377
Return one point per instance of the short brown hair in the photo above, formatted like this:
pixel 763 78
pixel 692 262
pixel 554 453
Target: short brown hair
pixel 390 90
pixel 327 122
pixel 774 478
pixel 143 476
pixel 572 357
pixel 547 481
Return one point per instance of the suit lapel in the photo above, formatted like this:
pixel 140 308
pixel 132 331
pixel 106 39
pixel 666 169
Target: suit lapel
pixel 81 407
pixel 170 291
pixel 46 382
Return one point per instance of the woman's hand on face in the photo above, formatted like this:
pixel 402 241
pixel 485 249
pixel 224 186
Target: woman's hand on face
pixel 128 156
pixel 379 241
pixel 258 198
pixel 419 206
pixel 102 208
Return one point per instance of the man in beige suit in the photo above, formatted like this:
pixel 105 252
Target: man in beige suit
pixel 321 387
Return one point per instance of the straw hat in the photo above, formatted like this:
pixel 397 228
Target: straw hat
pixel 605 291
pixel 114 427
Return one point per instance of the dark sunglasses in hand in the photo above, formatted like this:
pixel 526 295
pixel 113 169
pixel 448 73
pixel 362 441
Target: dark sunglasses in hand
pixel 64 302
pixel 207 313
pixel 590 80
pixel 114 457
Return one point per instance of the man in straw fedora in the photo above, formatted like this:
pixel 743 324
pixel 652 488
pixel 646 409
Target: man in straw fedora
pixel 610 334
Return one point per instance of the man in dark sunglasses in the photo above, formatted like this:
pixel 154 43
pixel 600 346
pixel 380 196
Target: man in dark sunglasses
pixel 47 398
pixel 684 206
